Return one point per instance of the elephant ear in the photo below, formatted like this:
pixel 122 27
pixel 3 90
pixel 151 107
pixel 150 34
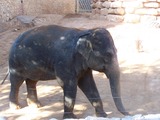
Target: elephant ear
pixel 84 46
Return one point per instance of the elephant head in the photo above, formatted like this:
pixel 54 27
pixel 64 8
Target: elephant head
pixel 98 49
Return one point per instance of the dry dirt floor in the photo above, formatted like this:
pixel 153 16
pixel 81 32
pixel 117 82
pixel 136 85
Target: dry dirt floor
pixel 139 58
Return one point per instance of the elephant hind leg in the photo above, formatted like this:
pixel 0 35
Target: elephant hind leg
pixel 88 86
pixel 16 81
pixel 32 98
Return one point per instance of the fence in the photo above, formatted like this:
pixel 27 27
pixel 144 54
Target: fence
pixel 83 6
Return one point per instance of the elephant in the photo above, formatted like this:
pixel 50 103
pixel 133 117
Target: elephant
pixel 68 55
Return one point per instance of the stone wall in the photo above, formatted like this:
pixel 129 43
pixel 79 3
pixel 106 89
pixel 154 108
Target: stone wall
pixel 127 10
pixel 8 9
pixel 11 8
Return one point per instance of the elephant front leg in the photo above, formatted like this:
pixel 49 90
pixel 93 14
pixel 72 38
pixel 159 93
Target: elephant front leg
pixel 32 98
pixel 69 90
pixel 69 102
pixel 88 86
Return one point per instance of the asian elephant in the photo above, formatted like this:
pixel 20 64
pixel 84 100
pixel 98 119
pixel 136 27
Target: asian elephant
pixel 68 55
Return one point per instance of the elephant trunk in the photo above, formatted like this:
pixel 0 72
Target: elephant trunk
pixel 113 73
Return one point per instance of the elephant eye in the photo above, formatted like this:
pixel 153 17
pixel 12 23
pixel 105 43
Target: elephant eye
pixel 108 57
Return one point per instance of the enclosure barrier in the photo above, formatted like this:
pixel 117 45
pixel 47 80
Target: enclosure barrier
pixel 128 10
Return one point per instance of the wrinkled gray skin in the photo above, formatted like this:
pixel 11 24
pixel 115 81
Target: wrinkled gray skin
pixel 68 55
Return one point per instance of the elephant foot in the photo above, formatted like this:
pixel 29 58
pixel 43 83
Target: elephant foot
pixel 125 113
pixel 14 106
pixel 101 114
pixel 69 115
pixel 33 103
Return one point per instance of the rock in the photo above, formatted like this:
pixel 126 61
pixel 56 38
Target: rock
pixel 104 11
pixel 135 117
pixel 93 5
pixel 147 18
pixel 118 11
pixel 106 4
pixel 2 118
pixel 96 11
pixel 53 119
pixel 96 118
pixel 152 117
pixel 98 4
pixel 138 116
pixel 114 118
pixel 152 5
pixel 135 4
pixel 115 18
pixel 145 11
pixel 148 0
pixel 129 10
pixel 27 21
pixel 116 4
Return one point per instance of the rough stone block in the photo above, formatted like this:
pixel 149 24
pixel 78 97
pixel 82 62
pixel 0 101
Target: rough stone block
pixel 94 1
pixel 132 18
pixel 145 11
pixel 116 4
pixel 147 0
pixel 93 5
pixel 103 0
pixel 104 11
pixel 115 18
pixel 135 4
pixel 110 0
pixel 118 11
pixel 158 10
pixel 111 11
pixel 152 5
pixel 106 4
pixel 147 18
pixel 96 11
pixel 129 10
pixel 98 4
pixel 158 18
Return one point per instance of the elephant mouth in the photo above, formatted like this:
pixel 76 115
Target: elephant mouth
pixel 100 69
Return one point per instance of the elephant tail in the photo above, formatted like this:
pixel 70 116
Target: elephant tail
pixel 5 77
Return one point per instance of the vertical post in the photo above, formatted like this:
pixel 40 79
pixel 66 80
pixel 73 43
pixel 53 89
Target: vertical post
pixel 77 6
pixel 22 8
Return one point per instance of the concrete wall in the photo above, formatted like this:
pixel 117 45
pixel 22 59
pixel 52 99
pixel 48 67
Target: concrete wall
pixel 11 8
pixel 128 10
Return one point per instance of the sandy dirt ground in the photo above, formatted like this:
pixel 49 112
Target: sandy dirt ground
pixel 139 58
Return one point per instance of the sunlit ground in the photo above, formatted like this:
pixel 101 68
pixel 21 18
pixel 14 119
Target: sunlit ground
pixel 140 67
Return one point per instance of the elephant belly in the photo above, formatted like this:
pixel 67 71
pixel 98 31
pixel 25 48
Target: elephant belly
pixel 38 73
pixel 41 75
